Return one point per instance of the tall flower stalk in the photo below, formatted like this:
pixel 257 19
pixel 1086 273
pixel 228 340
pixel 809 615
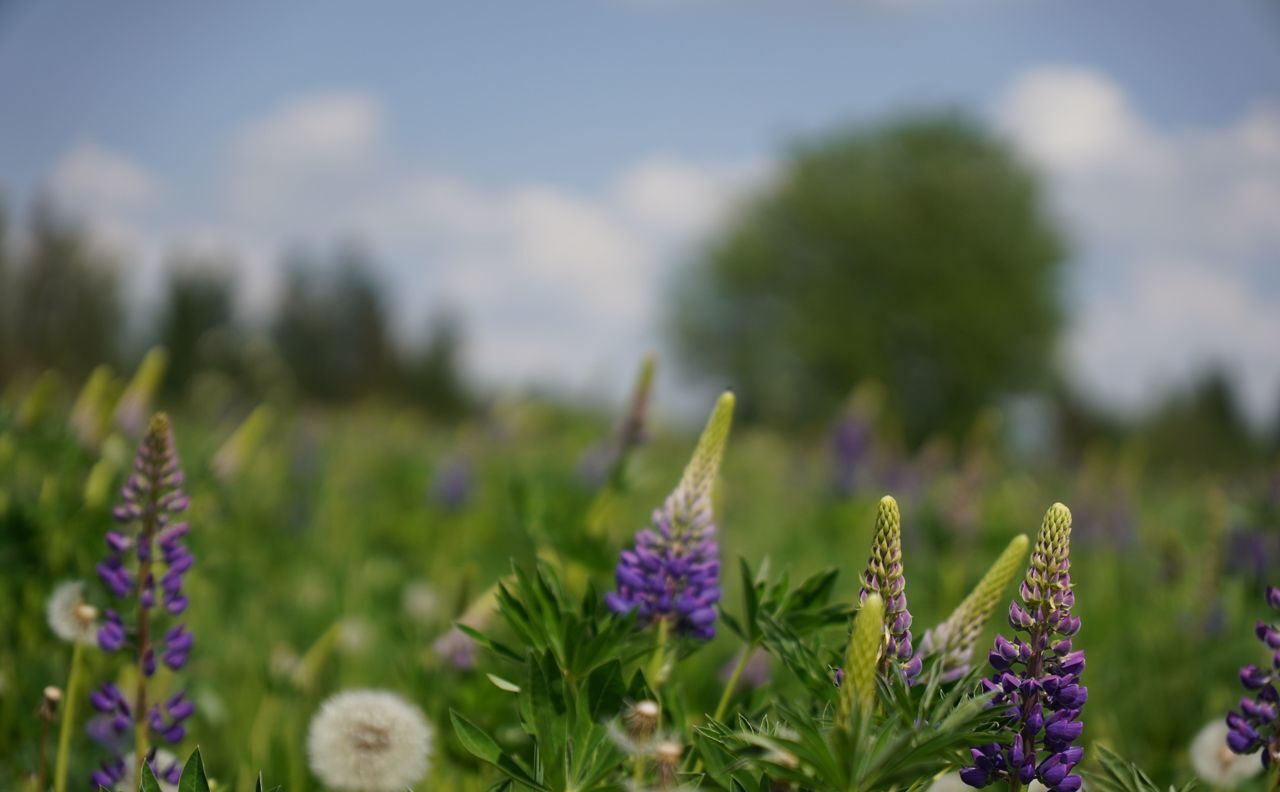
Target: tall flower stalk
pixel 152 501
pixel 884 576
pixel 1257 722
pixel 1037 675
pixel 671 577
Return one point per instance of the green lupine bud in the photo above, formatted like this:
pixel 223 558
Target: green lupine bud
pixel 90 413
pixel 858 687
pixel 703 467
pixel 97 487
pixel 135 402
pixel 955 638
pixel 242 443
pixel 1048 582
pixel 37 402
pixel 884 576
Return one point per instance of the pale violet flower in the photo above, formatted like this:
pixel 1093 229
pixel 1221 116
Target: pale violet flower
pixel 369 741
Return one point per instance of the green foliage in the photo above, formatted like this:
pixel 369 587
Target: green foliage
pixel 914 734
pixel 1120 775
pixel 916 253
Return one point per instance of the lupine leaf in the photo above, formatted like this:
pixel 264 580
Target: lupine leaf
pixel 480 745
pixel 149 782
pixel 193 775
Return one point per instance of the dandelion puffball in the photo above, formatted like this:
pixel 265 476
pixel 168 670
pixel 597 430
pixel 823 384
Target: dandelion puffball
pixel 1214 761
pixel 70 617
pixel 369 741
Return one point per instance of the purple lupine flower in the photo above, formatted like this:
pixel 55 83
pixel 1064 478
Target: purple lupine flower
pixel 673 572
pixel 1255 724
pixel 884 576
pixel 606 461
pixel 1038 678
pixel 148 565
pixel 452 483
pixel 851 442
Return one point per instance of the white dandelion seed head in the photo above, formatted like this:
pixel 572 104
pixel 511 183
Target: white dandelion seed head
pixel 369 741
pixel 70 617
pixel 1215 763
pixel 420 601
pixel 162 763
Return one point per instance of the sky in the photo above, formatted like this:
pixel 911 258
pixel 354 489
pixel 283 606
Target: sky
pixel 546 168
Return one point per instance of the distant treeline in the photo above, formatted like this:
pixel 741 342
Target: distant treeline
pixel 327 337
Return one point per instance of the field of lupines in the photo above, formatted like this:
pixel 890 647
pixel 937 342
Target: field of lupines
pixel 365 600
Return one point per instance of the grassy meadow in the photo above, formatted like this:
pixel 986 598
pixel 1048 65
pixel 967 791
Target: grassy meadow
pixel 334 547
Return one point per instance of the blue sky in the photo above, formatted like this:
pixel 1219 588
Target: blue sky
pixel 546 167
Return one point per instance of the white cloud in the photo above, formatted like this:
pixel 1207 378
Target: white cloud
pixel 301 163
pixel 1174 229
pixel 555 284
pixel 94 180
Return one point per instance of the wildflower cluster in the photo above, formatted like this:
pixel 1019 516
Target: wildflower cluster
pixel 1255 724
pixel 153 500
pixel 1038 677
pixel 672 574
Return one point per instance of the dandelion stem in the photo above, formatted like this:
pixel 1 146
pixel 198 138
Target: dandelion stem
pixel 68 720
pixel 732 684
pixel 42 772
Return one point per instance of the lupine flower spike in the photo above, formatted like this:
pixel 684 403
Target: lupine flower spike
pixel 884 576
pixel 862 660
pixel 153 501
pixel 672 575
pixel 1038 677
pixel 955 638
pixel 1255 724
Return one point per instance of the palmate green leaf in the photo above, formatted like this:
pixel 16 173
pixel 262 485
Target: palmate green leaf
pixel 798 657
pixel 480 745
pixel 1120 775
pixel 500 649
pixel 193 775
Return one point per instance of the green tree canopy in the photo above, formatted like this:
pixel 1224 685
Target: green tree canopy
pixel 917 253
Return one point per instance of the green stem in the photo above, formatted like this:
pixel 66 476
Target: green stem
pixel 659 654
pixel 68 720
pixel 732 684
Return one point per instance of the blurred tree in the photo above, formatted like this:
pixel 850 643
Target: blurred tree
pixel 1203 428
pixel 66 307
pixel 196 319
pixel 331 327
pixel 917 253
pixel 433 376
